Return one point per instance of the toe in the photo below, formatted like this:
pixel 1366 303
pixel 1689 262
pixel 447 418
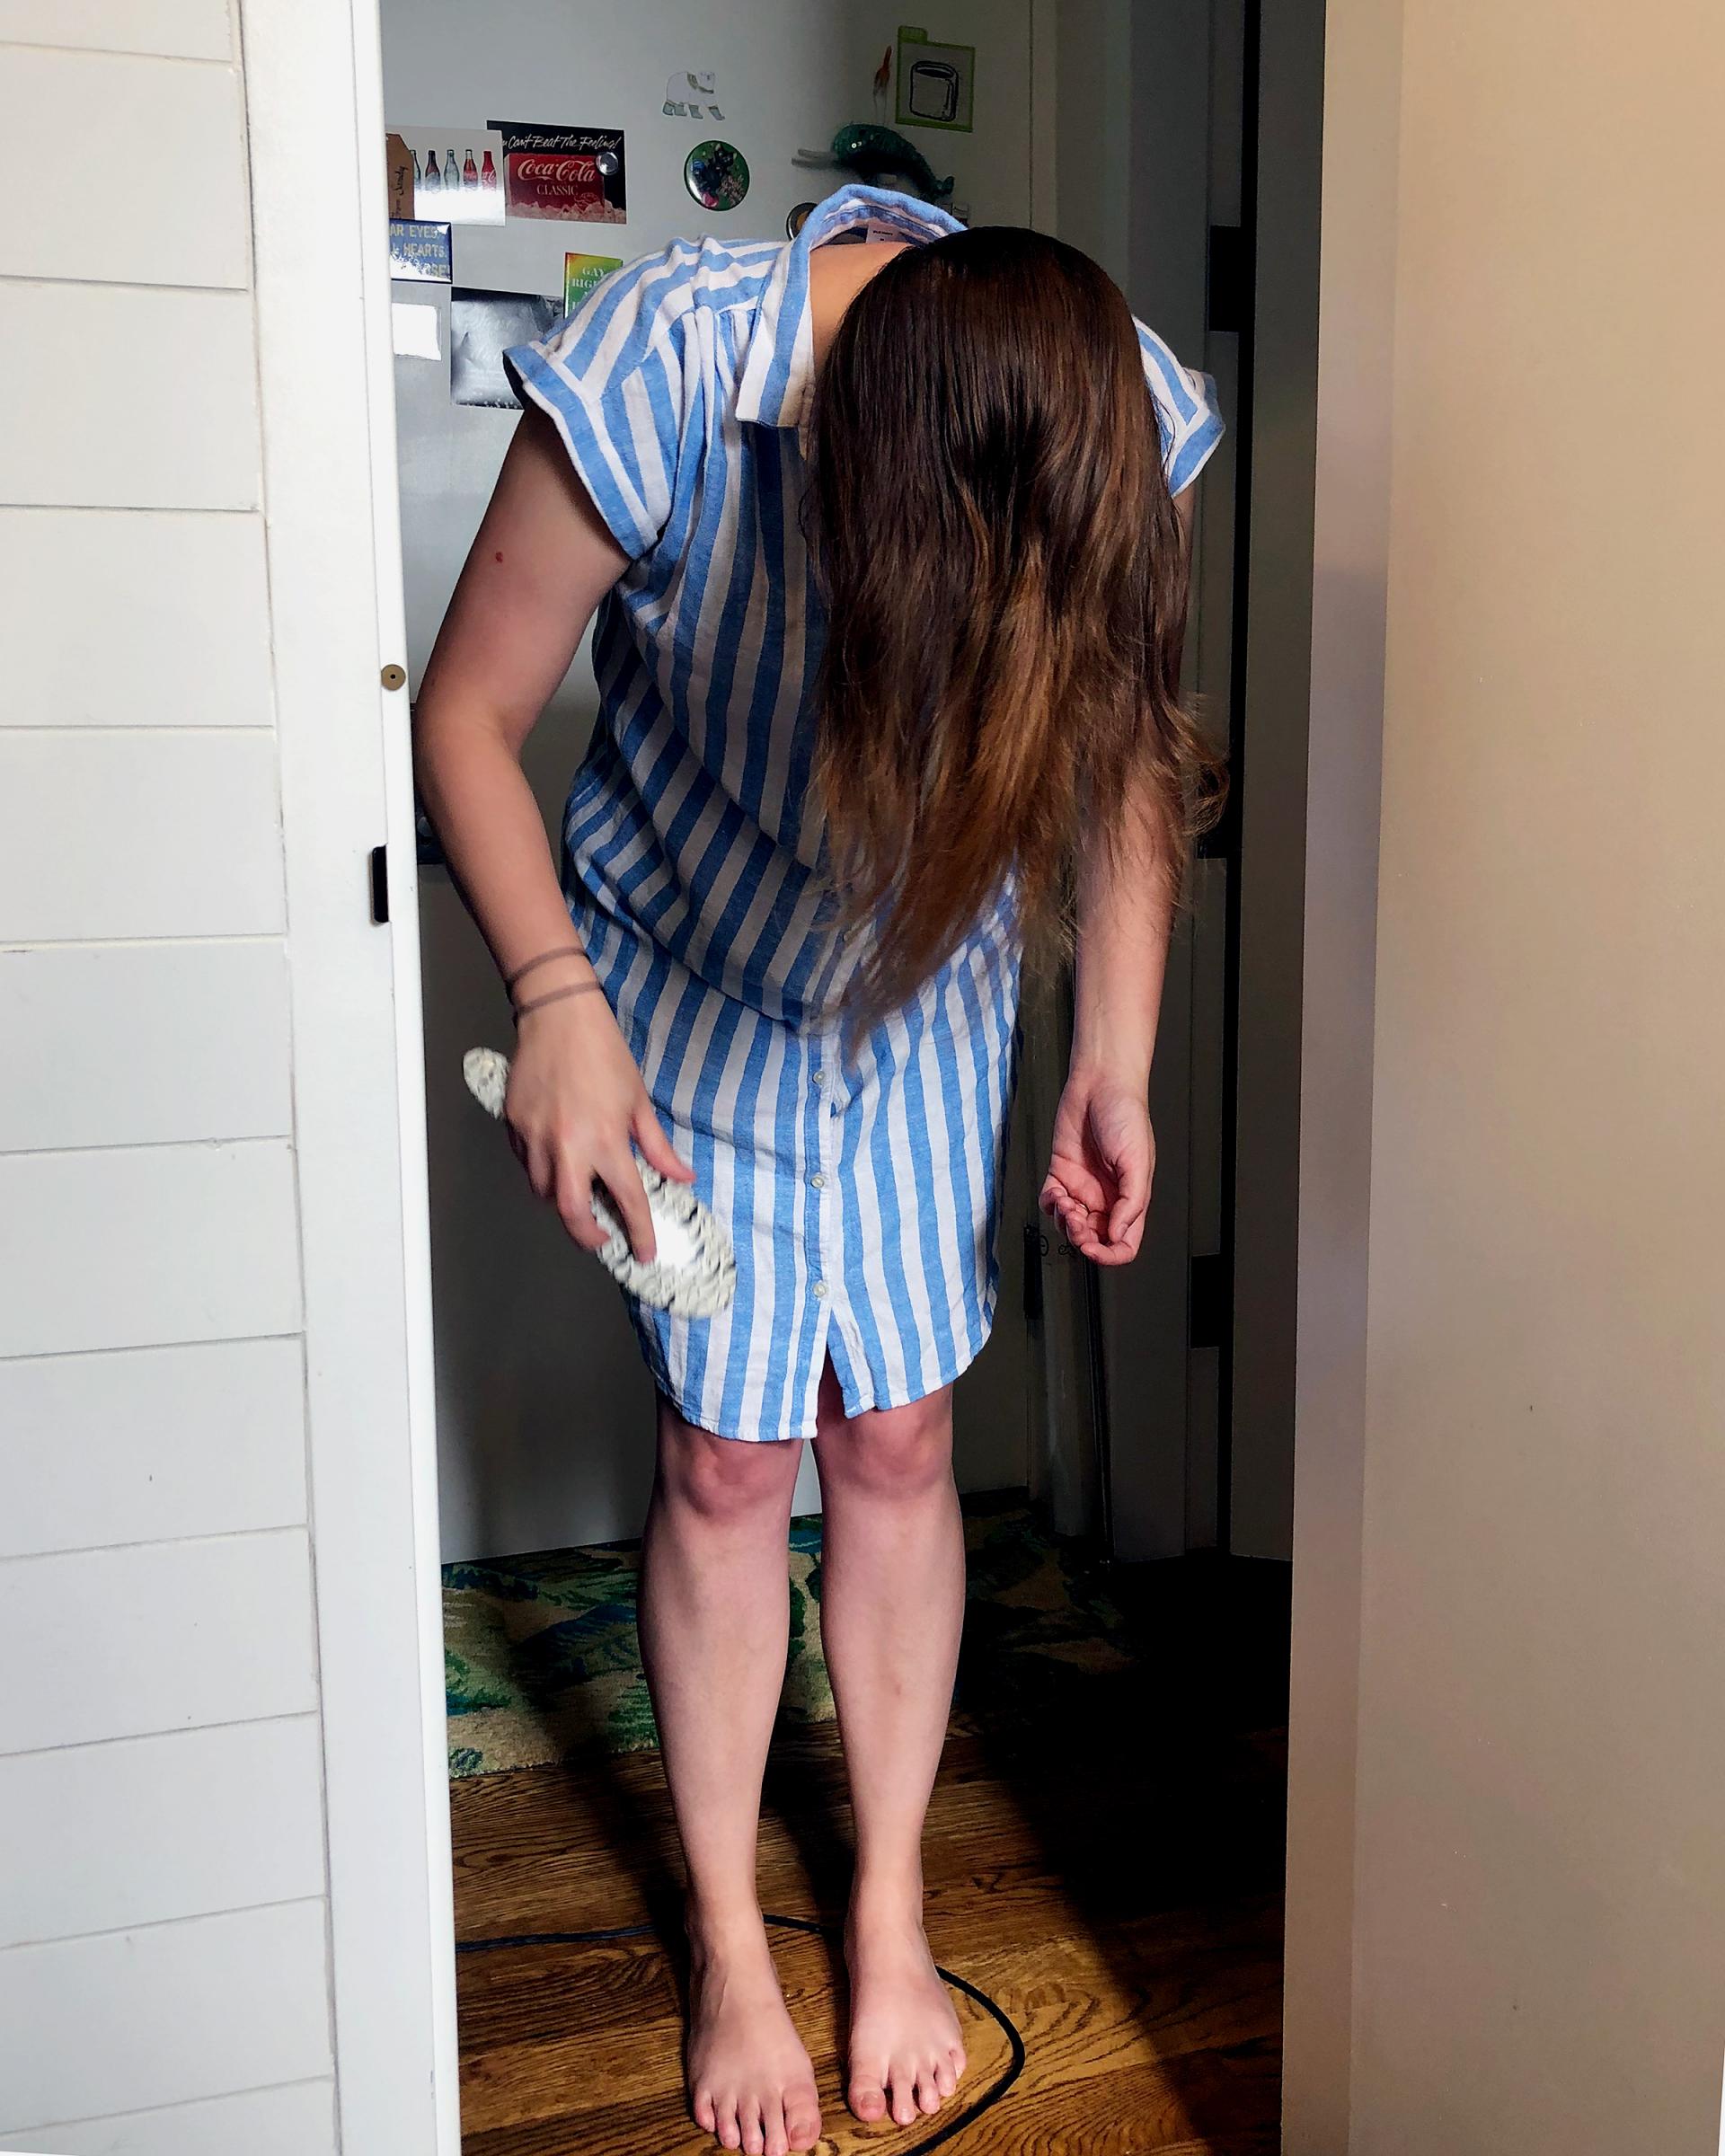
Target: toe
pixel 868 2097
pixel 754 2131
pixel 928 2094
pixel 946 2078
pixel 705 2116
pixel 801 2119
pixel 904 2094
pixel 773 2135
pixel 730 2131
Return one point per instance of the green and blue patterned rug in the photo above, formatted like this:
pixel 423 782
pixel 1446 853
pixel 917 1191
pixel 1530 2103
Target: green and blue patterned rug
pixel 542 1664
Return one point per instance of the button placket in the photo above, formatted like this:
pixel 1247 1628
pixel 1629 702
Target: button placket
pixel 827 1228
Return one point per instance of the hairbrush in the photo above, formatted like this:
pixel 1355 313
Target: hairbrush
pixel 694 1271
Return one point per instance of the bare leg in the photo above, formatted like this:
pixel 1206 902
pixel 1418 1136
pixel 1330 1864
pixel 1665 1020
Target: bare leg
pixel 891 1608
pixel 714 1622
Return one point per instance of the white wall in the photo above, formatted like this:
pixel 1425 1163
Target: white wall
pixel 1541 1869
pixel 1362 65
pixel 544 1410
pixel 206 1310
pixel 1524 1498
pixel 162 1966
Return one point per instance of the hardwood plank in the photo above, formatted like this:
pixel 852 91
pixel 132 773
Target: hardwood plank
pixel 577 1848
pixel 1104 1860
pixel 605 2022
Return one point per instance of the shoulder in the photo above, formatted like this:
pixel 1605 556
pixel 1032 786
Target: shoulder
pixel 644 310
pixel 629 379
pixel 837 274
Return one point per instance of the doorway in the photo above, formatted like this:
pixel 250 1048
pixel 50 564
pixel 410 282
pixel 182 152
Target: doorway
pixel 1091 1434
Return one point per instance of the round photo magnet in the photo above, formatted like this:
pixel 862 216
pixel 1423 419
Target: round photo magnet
pixel 716 173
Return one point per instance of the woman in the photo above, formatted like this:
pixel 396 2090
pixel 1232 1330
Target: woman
pixel 889 586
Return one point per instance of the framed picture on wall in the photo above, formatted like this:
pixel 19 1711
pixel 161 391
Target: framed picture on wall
pixel 936 83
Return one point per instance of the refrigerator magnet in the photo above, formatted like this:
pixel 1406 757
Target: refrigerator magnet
pixel 716 173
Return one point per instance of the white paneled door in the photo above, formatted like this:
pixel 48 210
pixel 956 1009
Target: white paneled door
pixel 224 1906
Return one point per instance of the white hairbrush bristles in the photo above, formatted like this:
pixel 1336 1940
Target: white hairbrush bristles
pixel 695 1272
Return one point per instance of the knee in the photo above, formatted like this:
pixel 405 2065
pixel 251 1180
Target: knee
pixel 725 1481
pixel 899 1454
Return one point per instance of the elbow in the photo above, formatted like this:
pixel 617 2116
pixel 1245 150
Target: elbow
pixel 449 725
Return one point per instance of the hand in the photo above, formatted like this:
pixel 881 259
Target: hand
pixel 575 1102
pixel 1101 1160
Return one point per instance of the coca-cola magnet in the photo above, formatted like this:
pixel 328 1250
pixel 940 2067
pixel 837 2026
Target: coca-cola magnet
pixel 716 173
pixel 575 174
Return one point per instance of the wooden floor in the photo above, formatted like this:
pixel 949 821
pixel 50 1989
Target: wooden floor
pixel 1109 1880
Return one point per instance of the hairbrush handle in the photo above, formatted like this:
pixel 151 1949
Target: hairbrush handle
pixel 487 1074
pixel 695 1272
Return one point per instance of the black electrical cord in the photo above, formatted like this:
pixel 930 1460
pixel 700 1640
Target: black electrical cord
pixel 943 2131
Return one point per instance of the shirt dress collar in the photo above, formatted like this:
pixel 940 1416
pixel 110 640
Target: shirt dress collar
pixel 778 373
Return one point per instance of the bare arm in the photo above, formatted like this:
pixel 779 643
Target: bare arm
pixel 1103 1153
pixel 541 564
pixel 541 561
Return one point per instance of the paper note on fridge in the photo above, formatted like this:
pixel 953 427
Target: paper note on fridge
pixel 482 326
pixel 457 175
pixel 416 331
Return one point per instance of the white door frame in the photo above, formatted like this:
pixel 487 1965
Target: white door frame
pixel 315 123
pixel 1357 214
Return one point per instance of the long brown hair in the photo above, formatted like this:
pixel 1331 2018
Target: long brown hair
pixel 1004 581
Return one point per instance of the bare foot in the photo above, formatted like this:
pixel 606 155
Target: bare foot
pixel 750 2081
pixel 907 2057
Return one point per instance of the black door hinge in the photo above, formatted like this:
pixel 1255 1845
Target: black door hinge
pixel 1221 841
pixel 1230 298
pixel 379 884
pixel 1210 1306
pixel 1035 1243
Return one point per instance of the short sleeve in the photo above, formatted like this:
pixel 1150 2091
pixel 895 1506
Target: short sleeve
pixel 1186 411
pixel 610 378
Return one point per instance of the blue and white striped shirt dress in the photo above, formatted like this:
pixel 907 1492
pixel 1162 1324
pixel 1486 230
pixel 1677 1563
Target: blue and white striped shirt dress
pixel 863 1199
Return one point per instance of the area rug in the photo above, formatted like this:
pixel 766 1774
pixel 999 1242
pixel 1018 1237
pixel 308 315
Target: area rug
pixel 542 1662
